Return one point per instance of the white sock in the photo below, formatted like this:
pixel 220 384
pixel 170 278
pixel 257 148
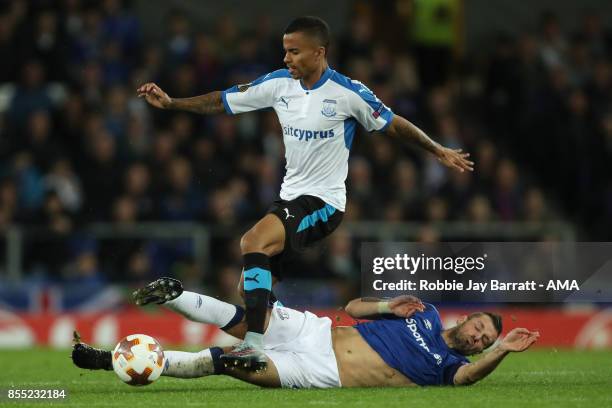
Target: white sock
pixel 181 364
pixel 254 339
pixel 204 309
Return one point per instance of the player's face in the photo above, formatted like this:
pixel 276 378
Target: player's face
pixel 303 55
pixel 474 335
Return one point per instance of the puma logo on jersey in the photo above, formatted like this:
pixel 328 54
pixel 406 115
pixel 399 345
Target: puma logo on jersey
pixel 288 215
pixel 254 278
pixel 284 100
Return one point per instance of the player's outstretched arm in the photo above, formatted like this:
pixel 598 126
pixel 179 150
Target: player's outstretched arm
pixel 453 158
pixel 373 308
pixel 205 104
pixel 517 340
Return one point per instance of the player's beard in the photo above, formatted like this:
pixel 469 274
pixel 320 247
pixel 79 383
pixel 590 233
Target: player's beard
pixel 460 342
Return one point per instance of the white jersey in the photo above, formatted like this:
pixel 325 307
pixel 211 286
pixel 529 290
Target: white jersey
pixel 318 127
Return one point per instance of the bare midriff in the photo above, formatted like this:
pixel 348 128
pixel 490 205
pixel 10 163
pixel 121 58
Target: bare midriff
pixel 359 365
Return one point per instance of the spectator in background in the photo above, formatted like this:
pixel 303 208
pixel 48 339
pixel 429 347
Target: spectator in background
pixel 124 258
pixel 116 117
pixel 479 210
pixel 408 192
pixel 534 206
pixel 180 201
pixel 100 173
pixel 48 252
pixel 13 17
pixel 31 95
pixel 65 183
pixel 8 203
pixel 553 43
pixel 179 40
pixel 83 271
pixel 47 44
pixel 29 181
pixel 121 27
pixel 40 141
pixel 125 211
pixel 361 189
pixel 137 186
pixel 87 43
pixel 507 192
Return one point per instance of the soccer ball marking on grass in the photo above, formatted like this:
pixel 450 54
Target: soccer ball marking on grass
pixel 138 359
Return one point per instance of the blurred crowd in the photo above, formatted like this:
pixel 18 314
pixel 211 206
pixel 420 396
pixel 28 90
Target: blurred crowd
pixel 77 146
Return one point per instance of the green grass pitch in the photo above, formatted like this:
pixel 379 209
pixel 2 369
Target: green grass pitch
pixel 536 378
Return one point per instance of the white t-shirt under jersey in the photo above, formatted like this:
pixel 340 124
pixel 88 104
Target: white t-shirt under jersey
pixel 318 127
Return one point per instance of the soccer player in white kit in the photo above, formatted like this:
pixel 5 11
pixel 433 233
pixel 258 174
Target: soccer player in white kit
pixel 318 109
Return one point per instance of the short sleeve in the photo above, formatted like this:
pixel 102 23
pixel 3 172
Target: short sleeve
pixel 367 109
pixel 259 94
pixel 448 375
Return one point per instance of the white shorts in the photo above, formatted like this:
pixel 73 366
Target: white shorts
pixel 300 346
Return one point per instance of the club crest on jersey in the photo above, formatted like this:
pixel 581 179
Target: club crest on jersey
pixel 329 108
pixel 282 314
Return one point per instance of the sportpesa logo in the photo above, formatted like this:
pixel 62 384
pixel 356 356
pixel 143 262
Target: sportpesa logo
pixel 307 135
pixel 412 326
pixel 411 323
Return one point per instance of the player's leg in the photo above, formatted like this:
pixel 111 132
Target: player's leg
pixel 272 299
pixel 291 225
pixel 181 364
pixel 265 239
pixel 194 306
pixel 206 309
pixel 263 378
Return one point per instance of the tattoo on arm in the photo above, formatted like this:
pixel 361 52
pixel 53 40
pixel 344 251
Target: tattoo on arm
pixel 205 104
pixel 405 130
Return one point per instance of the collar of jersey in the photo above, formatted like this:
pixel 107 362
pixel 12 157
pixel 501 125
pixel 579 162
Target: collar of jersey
pixel 326 74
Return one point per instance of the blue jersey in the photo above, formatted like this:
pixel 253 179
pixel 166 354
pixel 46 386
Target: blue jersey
pixel 414 346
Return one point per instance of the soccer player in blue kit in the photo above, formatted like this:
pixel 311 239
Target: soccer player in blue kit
pixel 318 109
pixel 404 344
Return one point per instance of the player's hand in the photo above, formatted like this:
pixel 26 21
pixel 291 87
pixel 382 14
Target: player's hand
pixel 455 159
pixel 154 95
pixel 519 339
pixel 406 305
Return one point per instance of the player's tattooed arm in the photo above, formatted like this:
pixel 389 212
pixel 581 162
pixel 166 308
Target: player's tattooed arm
pixel 204 104
pixel 372 308
pixel 453 158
